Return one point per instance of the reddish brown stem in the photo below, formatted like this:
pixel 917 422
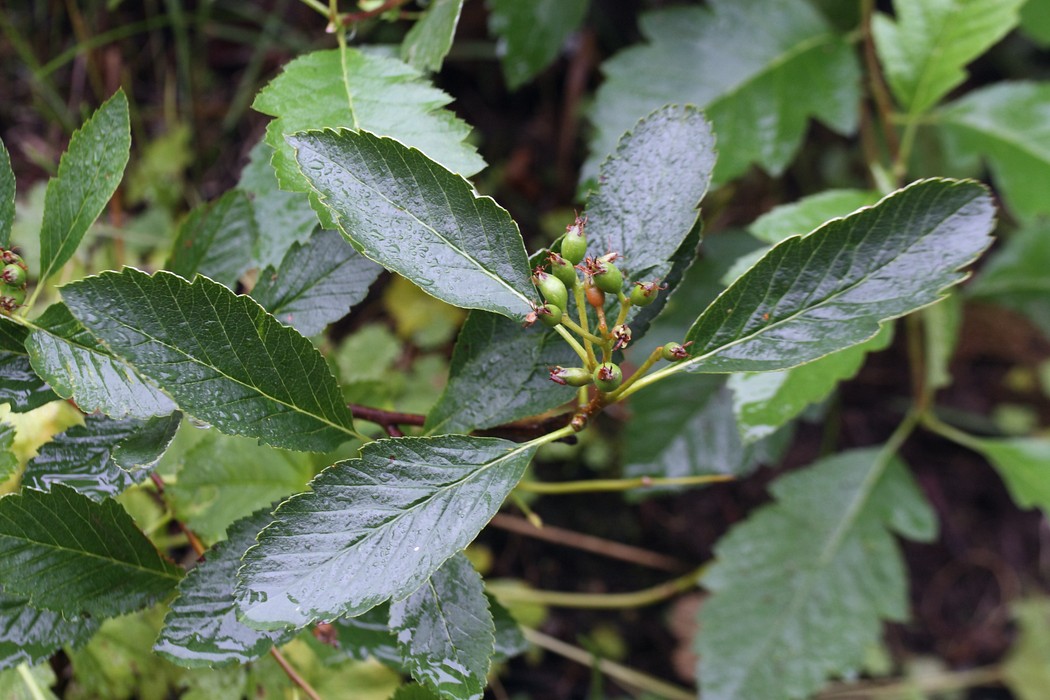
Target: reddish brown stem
pixel 351 17
pixel 195 542
pixel 880 94
pixel 386 419
pixel 293 675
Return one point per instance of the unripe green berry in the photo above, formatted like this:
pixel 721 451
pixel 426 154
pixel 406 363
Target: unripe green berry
pixel 608 278
pixel 13 274
pixel 11 298
pixel 608 376
pixel 10 257
pixel 644 293
pixel 570 376
pixel 549 315
pixel 552 289
pixel 563 270
pixel 674 352
pixel 574 242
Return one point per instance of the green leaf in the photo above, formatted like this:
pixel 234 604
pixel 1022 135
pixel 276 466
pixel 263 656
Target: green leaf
pixel 531 34
pixel 69 554
pixel 685 428
pixel 28 635
pixel 498 374
pixel 88 175
pixel 415 692
pixel 817 294
pixel 1008 125
pixel 764 401
pixel 28 684
pixel 799 589
pixel 1023 464
pixel 12 335
pixel 369 634
pixel 95 459
pixel 376 527
pixel 215 240
pixel 766 69
pixel 79 367
pixel 416 218
pixel 223 479
pixel 201 628
pixel 7 196
pixel 363 91
pixel 9 463
pixel 445 631
pixel 1035 21
pixel 650 189
pixel 281 218
pixel 941 324
pixel 430 38
pixel 1015 276
pixel 1026 671
pixel 219 355
pixel 510 641
pixel 805 215
pixel 924 52
pixel 316 283
pixel 19 384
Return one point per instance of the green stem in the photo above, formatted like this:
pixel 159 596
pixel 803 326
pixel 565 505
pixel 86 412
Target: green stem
pixel 578 329
pixel 622 674
pixel 603 485
pixel 579 349
pixel 936 425
pixel 319 7
pixel 530 515
pixel 605 601
pixel 624 392
pixel 625 306
pixel 31 683
pixel 581 311
pixel 653 358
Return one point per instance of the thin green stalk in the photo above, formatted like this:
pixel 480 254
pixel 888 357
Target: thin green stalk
pixel 936 425
pixel 579 349
pixel 530 515
pixel 605 601
pixel 653 358
pixel 581 311
pixel 625 306
pixel 318 7
pixel 578 329
pixel 31 683
pixel 605 485
pixel 645 381
pixel 622 674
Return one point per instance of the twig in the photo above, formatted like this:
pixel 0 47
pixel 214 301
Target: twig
pixel 293 674
pixel 387 420
pixel 883 103
pixel 589 543
pixel 605 601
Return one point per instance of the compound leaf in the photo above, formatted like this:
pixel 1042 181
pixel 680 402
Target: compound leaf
pixel 445 631
pixel 375 528
pixel 219 355
pixel 817 294
pixel 215 239
pixel 924 52
pixel 430 38
pixel 414 217
pixel 317 283
pixel 1007 124
pixel 79 367
pixel 28 635
pixel 361 91
pixel 69 554
pixel 88 174
pixel 7 196
pixel 759 70
pixel 201 628
pixel 530 35
pixel 94 458
pixel 800 588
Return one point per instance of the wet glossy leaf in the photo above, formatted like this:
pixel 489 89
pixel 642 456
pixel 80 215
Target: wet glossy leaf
pixel 376 527
pixel 220 356
pixel 364 91
pixel 281 218
pixel 316 283
pixel 216 240
pixel 79 367
pixel 500 373
pixel 201 628
pixel 28 635
pixel 800 588
pixel 649 191
pixel 759 70
pixel 531 34
pixel 1008 125
pixel 445 631
pixel 7 196
pixel 223 479
pixel 817 294
pixel 67 553
pixel 420 220
pixel 369 635
pixel 88 174
pixel 12 336
pixel 19 384
pixel 101 458
pixel 925 51
pixel 1015 276
pixel 430 38
pixel 764 401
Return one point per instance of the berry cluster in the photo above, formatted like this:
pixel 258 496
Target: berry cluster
pixel 12 281
pixel 588 281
